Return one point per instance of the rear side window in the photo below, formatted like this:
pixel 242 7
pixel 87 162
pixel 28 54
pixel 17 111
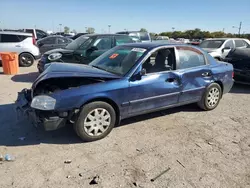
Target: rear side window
pixel 190 57
pixel 12 38
pixel 123 40
pixel 240 43
pixel 62 40
pixel 50 40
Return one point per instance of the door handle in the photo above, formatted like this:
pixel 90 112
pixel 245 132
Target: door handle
pixel 18 45
pixel 206 74
pixel 170 80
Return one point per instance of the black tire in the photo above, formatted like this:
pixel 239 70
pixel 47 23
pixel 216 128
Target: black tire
pixel 204 102
pixel 26 60
pixel 86 110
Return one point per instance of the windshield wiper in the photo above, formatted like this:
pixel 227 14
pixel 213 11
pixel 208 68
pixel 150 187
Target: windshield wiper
pixel 99 68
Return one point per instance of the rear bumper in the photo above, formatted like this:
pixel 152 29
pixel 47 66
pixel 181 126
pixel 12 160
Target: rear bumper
pixel 37 118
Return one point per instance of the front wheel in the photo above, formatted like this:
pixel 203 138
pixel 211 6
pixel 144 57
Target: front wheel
pixel 211 97
pixel 96 120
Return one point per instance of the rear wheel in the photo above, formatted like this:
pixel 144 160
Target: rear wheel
pixel 96 120
pixel 26 60
pixel 211 97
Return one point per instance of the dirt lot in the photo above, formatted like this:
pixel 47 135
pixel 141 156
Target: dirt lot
pixel 202 149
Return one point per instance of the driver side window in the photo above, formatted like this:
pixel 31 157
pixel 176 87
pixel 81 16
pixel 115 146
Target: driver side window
pixel 103 43
pixel 160 61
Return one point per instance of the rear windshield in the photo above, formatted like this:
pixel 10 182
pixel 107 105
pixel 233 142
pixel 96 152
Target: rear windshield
pixel 211 43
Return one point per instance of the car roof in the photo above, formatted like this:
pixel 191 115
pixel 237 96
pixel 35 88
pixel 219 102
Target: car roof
pixel 92 35
pixel 131 32
pixel 15 33
pixel 151 45
pixel 226 39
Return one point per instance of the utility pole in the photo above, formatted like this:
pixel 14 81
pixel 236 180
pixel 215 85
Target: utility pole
pixel 240 28
pixel 109 27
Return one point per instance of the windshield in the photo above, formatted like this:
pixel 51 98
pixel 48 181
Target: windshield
pixel 211 43
pixel 118 60
pixel 75 44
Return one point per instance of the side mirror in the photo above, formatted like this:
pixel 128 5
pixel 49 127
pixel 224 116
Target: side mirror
pixel 143 72
pixel 138 75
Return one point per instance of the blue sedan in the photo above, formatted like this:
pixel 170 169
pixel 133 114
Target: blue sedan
pixel 125 81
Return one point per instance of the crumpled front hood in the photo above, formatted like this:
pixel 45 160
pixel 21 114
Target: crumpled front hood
pixel 60 50
pixel 57 70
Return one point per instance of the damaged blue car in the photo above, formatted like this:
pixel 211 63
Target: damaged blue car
pixel 125 81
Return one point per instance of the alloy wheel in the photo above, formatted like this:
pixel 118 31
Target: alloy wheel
pixel 213 97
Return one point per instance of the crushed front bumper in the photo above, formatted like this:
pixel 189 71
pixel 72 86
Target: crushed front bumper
pixel 37 117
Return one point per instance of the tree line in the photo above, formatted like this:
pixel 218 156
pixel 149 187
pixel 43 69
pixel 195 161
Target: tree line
pixel 198 34
pixel 188 34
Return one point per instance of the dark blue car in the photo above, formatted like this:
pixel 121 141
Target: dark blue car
pixel 125 81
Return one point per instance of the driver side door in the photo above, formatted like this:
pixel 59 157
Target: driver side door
pixel 158 88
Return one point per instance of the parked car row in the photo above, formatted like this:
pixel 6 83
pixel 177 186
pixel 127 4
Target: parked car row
pixel 84 49
pixel 220 47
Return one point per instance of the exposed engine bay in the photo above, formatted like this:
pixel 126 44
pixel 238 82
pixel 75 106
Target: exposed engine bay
pixel 52 85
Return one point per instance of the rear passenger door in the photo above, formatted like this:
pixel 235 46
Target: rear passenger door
pixel 195 73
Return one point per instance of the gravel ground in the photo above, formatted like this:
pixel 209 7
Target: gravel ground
pixel 202 149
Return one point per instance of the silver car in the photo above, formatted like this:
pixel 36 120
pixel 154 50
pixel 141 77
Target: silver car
pixel 24 44
pixel 220 47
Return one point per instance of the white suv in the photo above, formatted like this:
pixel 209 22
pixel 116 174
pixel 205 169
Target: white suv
pixel 24 44
pixel 220 47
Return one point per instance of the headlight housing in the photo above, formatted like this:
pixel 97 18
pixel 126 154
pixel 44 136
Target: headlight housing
pixel 54 56
pixel 43 102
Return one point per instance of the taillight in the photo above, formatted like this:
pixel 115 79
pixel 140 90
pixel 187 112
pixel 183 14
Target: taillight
pixel 233 74
pixel 33 40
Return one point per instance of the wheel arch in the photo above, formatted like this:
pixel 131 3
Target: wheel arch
pixel 110 102
pixel 221 86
